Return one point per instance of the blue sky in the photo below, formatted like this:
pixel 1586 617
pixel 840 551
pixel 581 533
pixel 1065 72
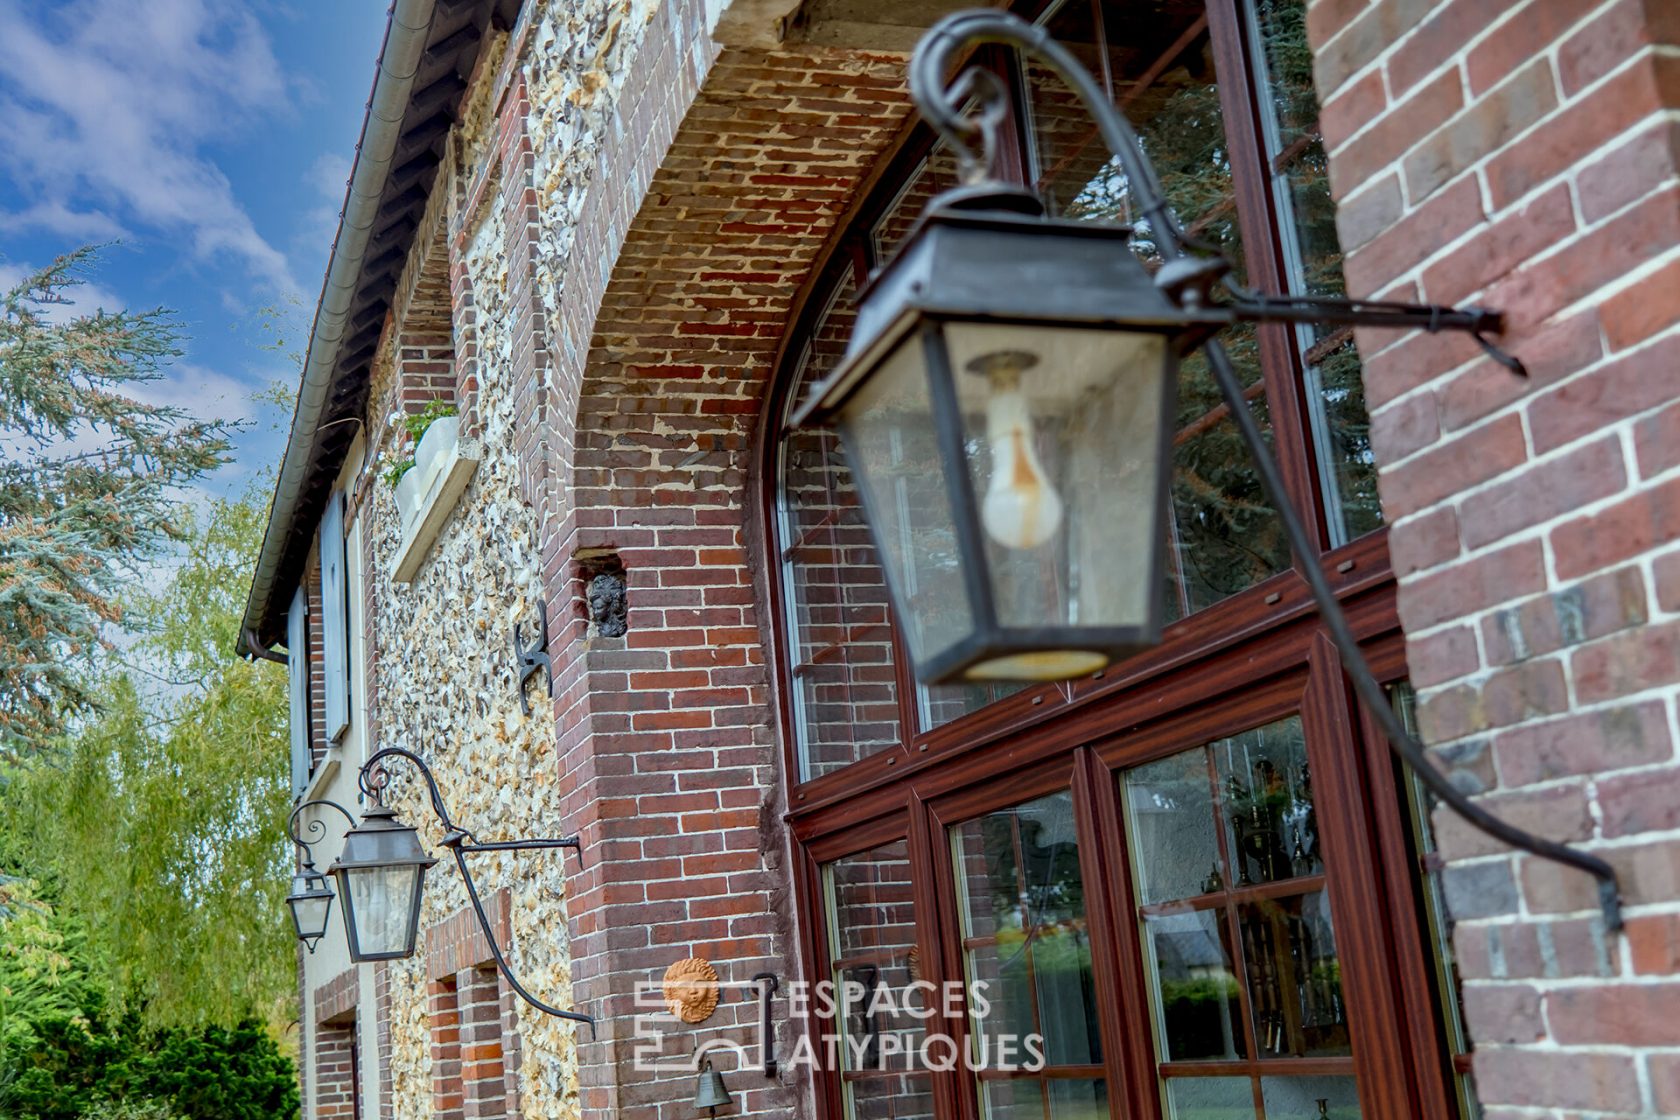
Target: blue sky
pixel 211 139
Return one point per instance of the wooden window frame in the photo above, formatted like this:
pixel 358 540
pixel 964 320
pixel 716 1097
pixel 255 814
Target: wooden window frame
pixel 1217 671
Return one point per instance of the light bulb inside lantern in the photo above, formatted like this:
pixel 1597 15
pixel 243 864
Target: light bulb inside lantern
pixel 1021 509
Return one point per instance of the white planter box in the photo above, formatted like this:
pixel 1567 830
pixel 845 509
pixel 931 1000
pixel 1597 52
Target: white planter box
pixel 441 435
pixel 443 465
pixel 408 494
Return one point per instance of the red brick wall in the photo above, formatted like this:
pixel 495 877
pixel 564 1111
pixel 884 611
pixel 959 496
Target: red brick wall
pixel 475 1043
pixel 659 369
pixel 1517 154
pixel 443 1016
pixel 335 1072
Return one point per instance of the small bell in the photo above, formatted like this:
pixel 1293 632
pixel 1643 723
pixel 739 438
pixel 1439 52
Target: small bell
pixel 710 1091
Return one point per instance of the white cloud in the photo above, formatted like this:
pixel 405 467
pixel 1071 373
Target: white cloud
pixel 205 393
pixel 55 217
pixel 326 179
pixel 106 106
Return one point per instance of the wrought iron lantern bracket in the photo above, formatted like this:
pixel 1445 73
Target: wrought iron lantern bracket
pixel 373 778
pixel 968 111
pixel 313 827
pixel 314 886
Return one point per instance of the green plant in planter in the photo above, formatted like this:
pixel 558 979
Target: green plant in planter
pixel 415 425
pixel 394 472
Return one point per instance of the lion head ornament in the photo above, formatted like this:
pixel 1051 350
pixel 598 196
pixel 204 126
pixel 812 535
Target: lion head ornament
pixel 691 990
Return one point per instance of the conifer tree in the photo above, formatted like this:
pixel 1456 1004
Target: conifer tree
pixel 90 478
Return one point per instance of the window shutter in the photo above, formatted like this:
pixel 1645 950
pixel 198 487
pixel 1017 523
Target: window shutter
pixel 297 665
pixel 335 611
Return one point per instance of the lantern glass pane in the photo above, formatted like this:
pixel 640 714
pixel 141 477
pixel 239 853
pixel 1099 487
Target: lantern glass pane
pixel 381 903
pixel 888 429
pixel 310 915
pixel 1063 430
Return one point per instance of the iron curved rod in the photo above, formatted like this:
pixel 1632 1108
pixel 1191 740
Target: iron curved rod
pixel 313 827
pixel 372 779
pixel 454 838
pixel 496 950
pixel 1365 683
pixel 942 106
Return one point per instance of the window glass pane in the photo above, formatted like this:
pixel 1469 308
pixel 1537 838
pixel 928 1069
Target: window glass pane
pixel 1210 1098
pixel 1294 976
pixel 1310 1097
pixel 1239 945
pixel 1300 173
pixel 940 704
pixel 845 698
pixel 1189 959
pixel 1077 1098
pixel 1157 62
pixel 1174 838
pixel 936 173
pixel 1022 913
pixel 872 936
pixel 893 1096
pixel 1271 826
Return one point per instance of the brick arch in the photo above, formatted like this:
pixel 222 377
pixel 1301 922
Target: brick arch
pixel 664 735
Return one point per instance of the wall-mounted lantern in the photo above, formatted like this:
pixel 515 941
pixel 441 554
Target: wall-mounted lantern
pixel 310 903
pixel 381 872
pixel 1006 405
pixel 311 898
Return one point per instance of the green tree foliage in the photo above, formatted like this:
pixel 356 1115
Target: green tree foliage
pixel 81 1069
pixel 162 817
pixel 89 478
pixel 1226 536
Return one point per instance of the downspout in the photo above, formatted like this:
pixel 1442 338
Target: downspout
pixel 405 41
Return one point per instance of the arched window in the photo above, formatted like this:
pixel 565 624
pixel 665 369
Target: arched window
pixel 1261 194
pixel 1194 875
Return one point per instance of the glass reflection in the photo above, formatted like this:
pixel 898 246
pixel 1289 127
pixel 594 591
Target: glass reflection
pixel 872 936
pixel 1190 967
pixel 1225 536
pixel 845 694
pixel 1022 912
pixel 1266 787
pixel 1239 945
pixel 1294 977
pixel 1300 173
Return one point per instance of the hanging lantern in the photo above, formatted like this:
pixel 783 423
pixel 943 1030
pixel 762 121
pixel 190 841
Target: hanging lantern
pixel 1006 405
pixel 380 872
pixel 310 903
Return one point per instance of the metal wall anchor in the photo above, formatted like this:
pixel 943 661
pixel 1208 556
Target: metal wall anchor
pixel 533 659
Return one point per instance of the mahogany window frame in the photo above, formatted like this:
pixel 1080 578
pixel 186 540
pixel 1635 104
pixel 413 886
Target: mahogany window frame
pixel 1400 1050
pixel 1273 601
pixel 1212 674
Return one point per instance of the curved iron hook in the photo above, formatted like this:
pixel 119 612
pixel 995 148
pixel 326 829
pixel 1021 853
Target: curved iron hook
pixel 314 827
pixel 942 106
pixel 943 109
pixel 372 778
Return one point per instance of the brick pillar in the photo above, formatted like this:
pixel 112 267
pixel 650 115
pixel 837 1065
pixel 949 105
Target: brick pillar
pixel 335 1069
pixel 444 1014
pixel 483 1089
pixel 512 1045
pixel 1522 154
pixel 465 316
pixel 382 1032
